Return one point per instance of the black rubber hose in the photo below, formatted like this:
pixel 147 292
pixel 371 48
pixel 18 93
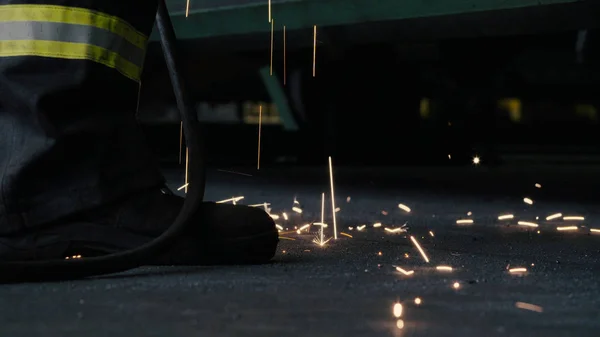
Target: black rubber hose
pixel 53 270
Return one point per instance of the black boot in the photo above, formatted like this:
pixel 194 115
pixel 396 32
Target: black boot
pixel 219 233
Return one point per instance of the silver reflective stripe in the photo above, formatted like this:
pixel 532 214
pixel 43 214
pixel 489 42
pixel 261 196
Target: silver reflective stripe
pixel 73 33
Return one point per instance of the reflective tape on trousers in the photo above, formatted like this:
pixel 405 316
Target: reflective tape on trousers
pixel 71 33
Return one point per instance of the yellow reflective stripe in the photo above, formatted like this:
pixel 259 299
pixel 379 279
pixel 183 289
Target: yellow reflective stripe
pixel 70 50
pixel 73 15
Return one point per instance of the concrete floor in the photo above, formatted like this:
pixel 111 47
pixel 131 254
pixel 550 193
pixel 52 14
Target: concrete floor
pixel 349 286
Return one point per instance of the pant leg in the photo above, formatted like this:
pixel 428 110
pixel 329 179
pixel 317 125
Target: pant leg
pixel 69 140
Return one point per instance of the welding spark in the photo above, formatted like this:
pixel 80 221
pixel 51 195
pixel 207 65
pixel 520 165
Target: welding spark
pixel 272 35
pixel 182 187
pixel 297 209
pixel 464 221
pixel 187 167
pixel 395 230
pixel 285 216
pixel 506 217
pixel 553 216
pixel 264 204
pixel 538 185
pixel 180 141
pixel 332 192
pixel 416 243
pixel 259 135
pixel 345 234
pixel 279 227
pixel 519 270
pixel 377 225
pixel 404 208
pixel 418 301
pixel 234 200
pixel 431 233
pixel 594 230
pixel 567 228
pixel 286 238
pixel 398 310
pixel 187 8
pixel 274 216
pixel 527 224
pixel 405 272
pixel 314 51
pixel 307 226
pixel 361 227
pixel 528 201
pixel 456 285
pixel 444 268
pixel 529 306
pixel 284 58
pixel 270 17
pixel 573 218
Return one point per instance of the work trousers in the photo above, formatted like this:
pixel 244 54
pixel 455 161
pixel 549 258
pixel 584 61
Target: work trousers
pixel 69 82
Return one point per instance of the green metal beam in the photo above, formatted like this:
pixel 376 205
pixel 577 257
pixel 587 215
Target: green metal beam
pixel 302 14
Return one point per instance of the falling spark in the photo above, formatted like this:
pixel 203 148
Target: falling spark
pixel 528 201
pixel 274 216
pixel 553 216
pixel 272 35
pixel 279 227
pixel 412 238
pixel 464 221
pixel 469 213
pixel 377 225
pixel 259 135
pixel 418 301
pixel 284 58
pixel 518 270
pixel 332 194
pixel 538 185
pixel 594 230
pixel 297 209
pixel 345 234
pixel 337 209
pixel 404 208
pixel 286 238
pixel 270 17
pixel 350 228
pixel 187 167
pixel 187 8
pixel 529 306
pixel 398 310
pixel 180 142
pixel 182 187
pixel 444 268
pixel 234 199
pixel 348 199
pixel 456 285
pixel 527 224
pixel 303 228
pixel 506 217
pixel 573 218
pixel 405 272
pixel 285 216
pixel 567 228
pixel 323 214
pixel 431 233
pixel 384 212
pixel 264 204
pixel 395 230
pixel 314 50
pixel 360 228
pixel 400 324
pixel 476 160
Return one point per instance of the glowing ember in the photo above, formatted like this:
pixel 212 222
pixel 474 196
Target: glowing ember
pixel 527 224
pixel 573 218
pixel 553 216
pixel 528 201
pixel 519 270
pixel 444 268
pixel 506 217
pixel 464 222
pixel 416 243
pixel 398 310
pixel 404 208
pixel 529 306
pixel 567 228
pixel 418 301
